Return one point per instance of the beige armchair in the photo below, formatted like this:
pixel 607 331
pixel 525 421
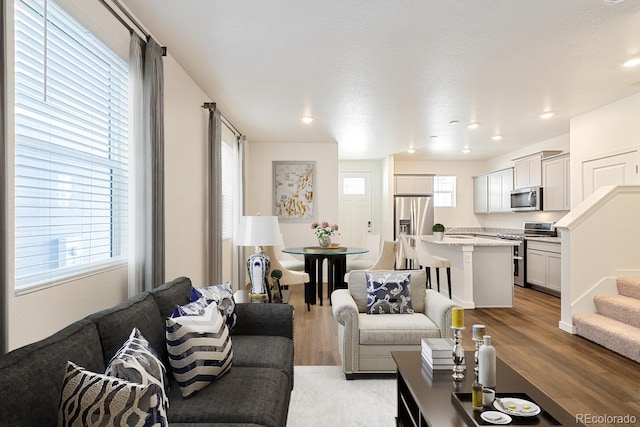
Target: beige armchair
pixel 367 340
pixel 288 277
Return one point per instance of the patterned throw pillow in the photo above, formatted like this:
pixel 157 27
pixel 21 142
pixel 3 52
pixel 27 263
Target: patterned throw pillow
pixel 193 308
pixel 389 293
pixel 223 296
pixel 90 399
pixel 138 362
pixel 199 349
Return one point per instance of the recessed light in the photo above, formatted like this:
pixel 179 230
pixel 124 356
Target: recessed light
pixel 473 125
pixel 466 151
pixel 546 115
pixel 307 119
pixel 454 122
pixel 633 62
pixel 411 150
pixel 433 137
pixel 496 137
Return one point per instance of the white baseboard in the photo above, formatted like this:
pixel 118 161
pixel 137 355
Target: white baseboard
pixel 567 327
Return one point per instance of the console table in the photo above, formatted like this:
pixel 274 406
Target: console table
pixel 425 397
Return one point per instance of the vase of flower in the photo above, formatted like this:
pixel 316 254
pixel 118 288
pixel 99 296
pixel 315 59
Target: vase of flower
pixel 324 241
pixel 323 232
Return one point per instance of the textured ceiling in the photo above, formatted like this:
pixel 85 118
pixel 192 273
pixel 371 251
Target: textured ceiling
pixel 380 76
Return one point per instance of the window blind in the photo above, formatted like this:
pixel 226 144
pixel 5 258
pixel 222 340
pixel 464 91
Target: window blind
pixel 71 130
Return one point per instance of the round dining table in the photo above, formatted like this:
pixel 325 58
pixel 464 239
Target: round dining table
pixel 314 257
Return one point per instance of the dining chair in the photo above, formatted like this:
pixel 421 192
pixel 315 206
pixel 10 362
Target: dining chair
pixel 386 260
pixel 371 243
pixel 287 260
pixel 289 277
pixel 428 261
pixel 408 251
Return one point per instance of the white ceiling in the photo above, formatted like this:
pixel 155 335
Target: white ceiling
pixel 380 76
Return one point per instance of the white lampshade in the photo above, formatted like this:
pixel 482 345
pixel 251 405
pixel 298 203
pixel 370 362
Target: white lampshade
pixel 258 231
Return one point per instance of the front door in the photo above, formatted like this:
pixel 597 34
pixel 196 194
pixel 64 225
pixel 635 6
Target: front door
pixel 355 207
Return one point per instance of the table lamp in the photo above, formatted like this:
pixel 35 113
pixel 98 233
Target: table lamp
pixel 258 231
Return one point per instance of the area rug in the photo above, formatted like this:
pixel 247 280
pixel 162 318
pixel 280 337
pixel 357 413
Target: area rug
pixel 323 397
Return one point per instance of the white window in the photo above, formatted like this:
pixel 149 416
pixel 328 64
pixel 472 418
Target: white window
pixel 71 126
pixel 229 174
pixel 444 191
pixel 353 186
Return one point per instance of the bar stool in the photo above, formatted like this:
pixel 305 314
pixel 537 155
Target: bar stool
pixel 429 261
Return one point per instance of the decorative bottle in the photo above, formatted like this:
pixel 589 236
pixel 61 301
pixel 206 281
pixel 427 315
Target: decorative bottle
pixel 487 363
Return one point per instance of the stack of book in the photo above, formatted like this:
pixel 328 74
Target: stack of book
pixel 437 354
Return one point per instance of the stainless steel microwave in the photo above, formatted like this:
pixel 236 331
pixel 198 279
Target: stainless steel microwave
pixel 526 199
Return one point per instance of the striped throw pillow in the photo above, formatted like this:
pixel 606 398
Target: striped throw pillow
pixel 138 362
pixel 90 399
pixel 199 348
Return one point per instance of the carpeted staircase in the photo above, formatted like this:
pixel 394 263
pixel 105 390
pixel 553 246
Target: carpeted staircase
pixel 616 323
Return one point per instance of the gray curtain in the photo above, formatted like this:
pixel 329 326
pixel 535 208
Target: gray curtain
pixel 146 243
pixel 137 214
pixel 241 264
pixel 215 196
pixel 3 197
pixel 154 178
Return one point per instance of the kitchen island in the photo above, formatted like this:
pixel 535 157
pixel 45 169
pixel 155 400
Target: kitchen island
pixel 481 269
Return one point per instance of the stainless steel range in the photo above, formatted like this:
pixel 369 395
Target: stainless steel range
pixel 529 229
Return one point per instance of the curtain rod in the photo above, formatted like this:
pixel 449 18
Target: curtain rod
pixel 130 18
pixel 225 120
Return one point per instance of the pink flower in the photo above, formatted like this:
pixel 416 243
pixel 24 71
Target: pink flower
pixel 325 224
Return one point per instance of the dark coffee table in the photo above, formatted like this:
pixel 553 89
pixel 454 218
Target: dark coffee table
pixel 425 397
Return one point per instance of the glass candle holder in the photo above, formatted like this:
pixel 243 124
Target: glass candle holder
pixel 477 335
pixel 458 354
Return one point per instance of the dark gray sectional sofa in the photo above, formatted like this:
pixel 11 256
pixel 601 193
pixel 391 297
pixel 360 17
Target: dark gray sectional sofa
pixel 255 392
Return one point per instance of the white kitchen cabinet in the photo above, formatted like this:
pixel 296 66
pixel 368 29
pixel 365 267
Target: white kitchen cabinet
pixel 544 266
pixel 528 170
pixel 414 184
pixel 556 183
pixel 480 194
pixel 500 185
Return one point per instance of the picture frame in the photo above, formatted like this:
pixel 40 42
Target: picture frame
pixel 294 191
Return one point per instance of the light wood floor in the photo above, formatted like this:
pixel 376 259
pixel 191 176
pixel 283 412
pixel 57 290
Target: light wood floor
pixel 583 377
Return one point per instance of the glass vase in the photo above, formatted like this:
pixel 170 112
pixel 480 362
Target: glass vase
pixel 324 241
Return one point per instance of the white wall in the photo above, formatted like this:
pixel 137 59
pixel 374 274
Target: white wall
pixel 35 315
pixel 259 184
pixel 600 132
pixel 186 191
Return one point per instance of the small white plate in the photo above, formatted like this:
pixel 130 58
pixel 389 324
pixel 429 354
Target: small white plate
pixel 517 407
pixel 495 417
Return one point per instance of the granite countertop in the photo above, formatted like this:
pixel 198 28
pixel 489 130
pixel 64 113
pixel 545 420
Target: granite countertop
pixel 467 240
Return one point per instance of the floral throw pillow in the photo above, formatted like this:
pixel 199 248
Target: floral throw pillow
pixel 389 293
pixel 194 308
pixel 221 295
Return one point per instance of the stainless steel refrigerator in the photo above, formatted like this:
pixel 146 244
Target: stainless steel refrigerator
pixel 413 215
